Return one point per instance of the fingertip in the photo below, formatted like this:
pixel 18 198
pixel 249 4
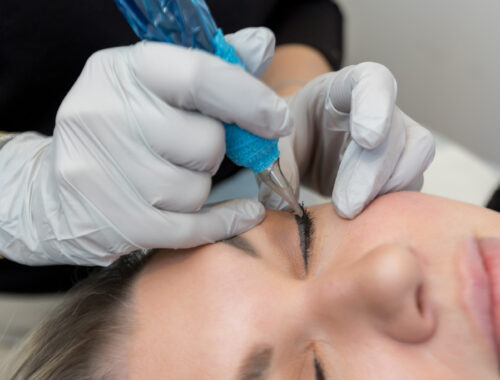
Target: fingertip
pixel 373 103
pixel 272 118
pixel 417 184
pixel 350 200
pixel 244 215
pixel 263 53
pixel 258 210
pixel 253 209
pixel 242 209
pixel 255 47
pixel 369 132
pixel 428 145
pixel 285 126
pixel 216 222
pixel 343 210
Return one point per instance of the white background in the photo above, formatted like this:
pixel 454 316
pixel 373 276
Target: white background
pixel 445 55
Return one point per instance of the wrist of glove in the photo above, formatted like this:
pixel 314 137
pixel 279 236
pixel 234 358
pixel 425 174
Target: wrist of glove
pixel 5 137
pixel 136 142
pixel 351 141
pixel 34 228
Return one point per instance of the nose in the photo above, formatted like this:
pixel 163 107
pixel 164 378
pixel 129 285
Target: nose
pixel 384 290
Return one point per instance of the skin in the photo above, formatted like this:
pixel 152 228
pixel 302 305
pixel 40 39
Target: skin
pixel 383 298
pixel 293 66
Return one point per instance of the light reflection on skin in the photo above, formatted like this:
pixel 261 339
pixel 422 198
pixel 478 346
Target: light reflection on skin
pixel 382 299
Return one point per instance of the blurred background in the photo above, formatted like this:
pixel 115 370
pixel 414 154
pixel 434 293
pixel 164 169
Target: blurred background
pixel 445 55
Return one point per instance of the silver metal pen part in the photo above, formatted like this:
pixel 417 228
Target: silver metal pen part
pixel 274 178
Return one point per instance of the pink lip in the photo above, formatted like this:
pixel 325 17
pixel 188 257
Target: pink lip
pixel 489 249
pixel 478 290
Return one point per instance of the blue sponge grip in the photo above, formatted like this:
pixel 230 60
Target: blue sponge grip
pixel 243 147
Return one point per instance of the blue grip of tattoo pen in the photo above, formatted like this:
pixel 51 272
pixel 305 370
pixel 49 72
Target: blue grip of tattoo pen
pixel 189 23
pixel 243 147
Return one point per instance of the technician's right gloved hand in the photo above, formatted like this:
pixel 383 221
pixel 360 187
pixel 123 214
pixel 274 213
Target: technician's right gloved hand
pixel 351 140
pixel 131 159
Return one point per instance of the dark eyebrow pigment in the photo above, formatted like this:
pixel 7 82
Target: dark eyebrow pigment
pixel 305 225
pixel 319 371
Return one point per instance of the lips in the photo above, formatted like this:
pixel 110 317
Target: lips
pixel 477 291
pixel 490 251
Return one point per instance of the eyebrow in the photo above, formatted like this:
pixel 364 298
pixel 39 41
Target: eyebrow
pixel 305 226
pixel 320 375
pixel 256 365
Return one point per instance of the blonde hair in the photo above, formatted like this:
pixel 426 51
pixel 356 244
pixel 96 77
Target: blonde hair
pixel 85 338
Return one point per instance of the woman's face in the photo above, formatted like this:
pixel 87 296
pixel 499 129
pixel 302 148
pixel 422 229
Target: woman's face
pixel 398 293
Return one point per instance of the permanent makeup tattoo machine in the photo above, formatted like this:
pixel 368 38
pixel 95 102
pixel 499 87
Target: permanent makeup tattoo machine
pixel 189 23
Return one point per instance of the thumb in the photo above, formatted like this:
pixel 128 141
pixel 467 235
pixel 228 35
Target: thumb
pixel 218 221
pixel 368 92
pixel 363 173
pixel 196 81
pixel 255 47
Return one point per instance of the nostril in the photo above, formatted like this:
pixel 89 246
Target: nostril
pixel 415 321
pixel 419 299
pixel 399 298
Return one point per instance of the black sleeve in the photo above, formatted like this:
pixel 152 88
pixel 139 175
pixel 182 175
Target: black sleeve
pixel 317 23
pixel 44 45
pixel 43 48
pixel 494 202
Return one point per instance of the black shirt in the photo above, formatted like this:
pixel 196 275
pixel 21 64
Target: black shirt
pixel 45 44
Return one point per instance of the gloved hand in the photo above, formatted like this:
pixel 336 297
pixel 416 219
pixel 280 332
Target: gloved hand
pixel 351 141
pixel 130 163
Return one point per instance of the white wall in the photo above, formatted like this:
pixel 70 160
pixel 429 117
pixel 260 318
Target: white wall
pixel 445 55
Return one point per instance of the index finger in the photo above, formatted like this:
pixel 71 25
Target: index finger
pixel 363 173
pixel 373 92
pixel 195 80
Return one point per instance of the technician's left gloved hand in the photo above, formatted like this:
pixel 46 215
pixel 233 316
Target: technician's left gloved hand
pixel 352 141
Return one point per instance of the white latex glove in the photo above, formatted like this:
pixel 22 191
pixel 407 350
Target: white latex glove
pixel 130 163
pixel 352 141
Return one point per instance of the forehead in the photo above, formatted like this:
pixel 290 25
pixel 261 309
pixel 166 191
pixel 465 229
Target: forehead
pixel 198 313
